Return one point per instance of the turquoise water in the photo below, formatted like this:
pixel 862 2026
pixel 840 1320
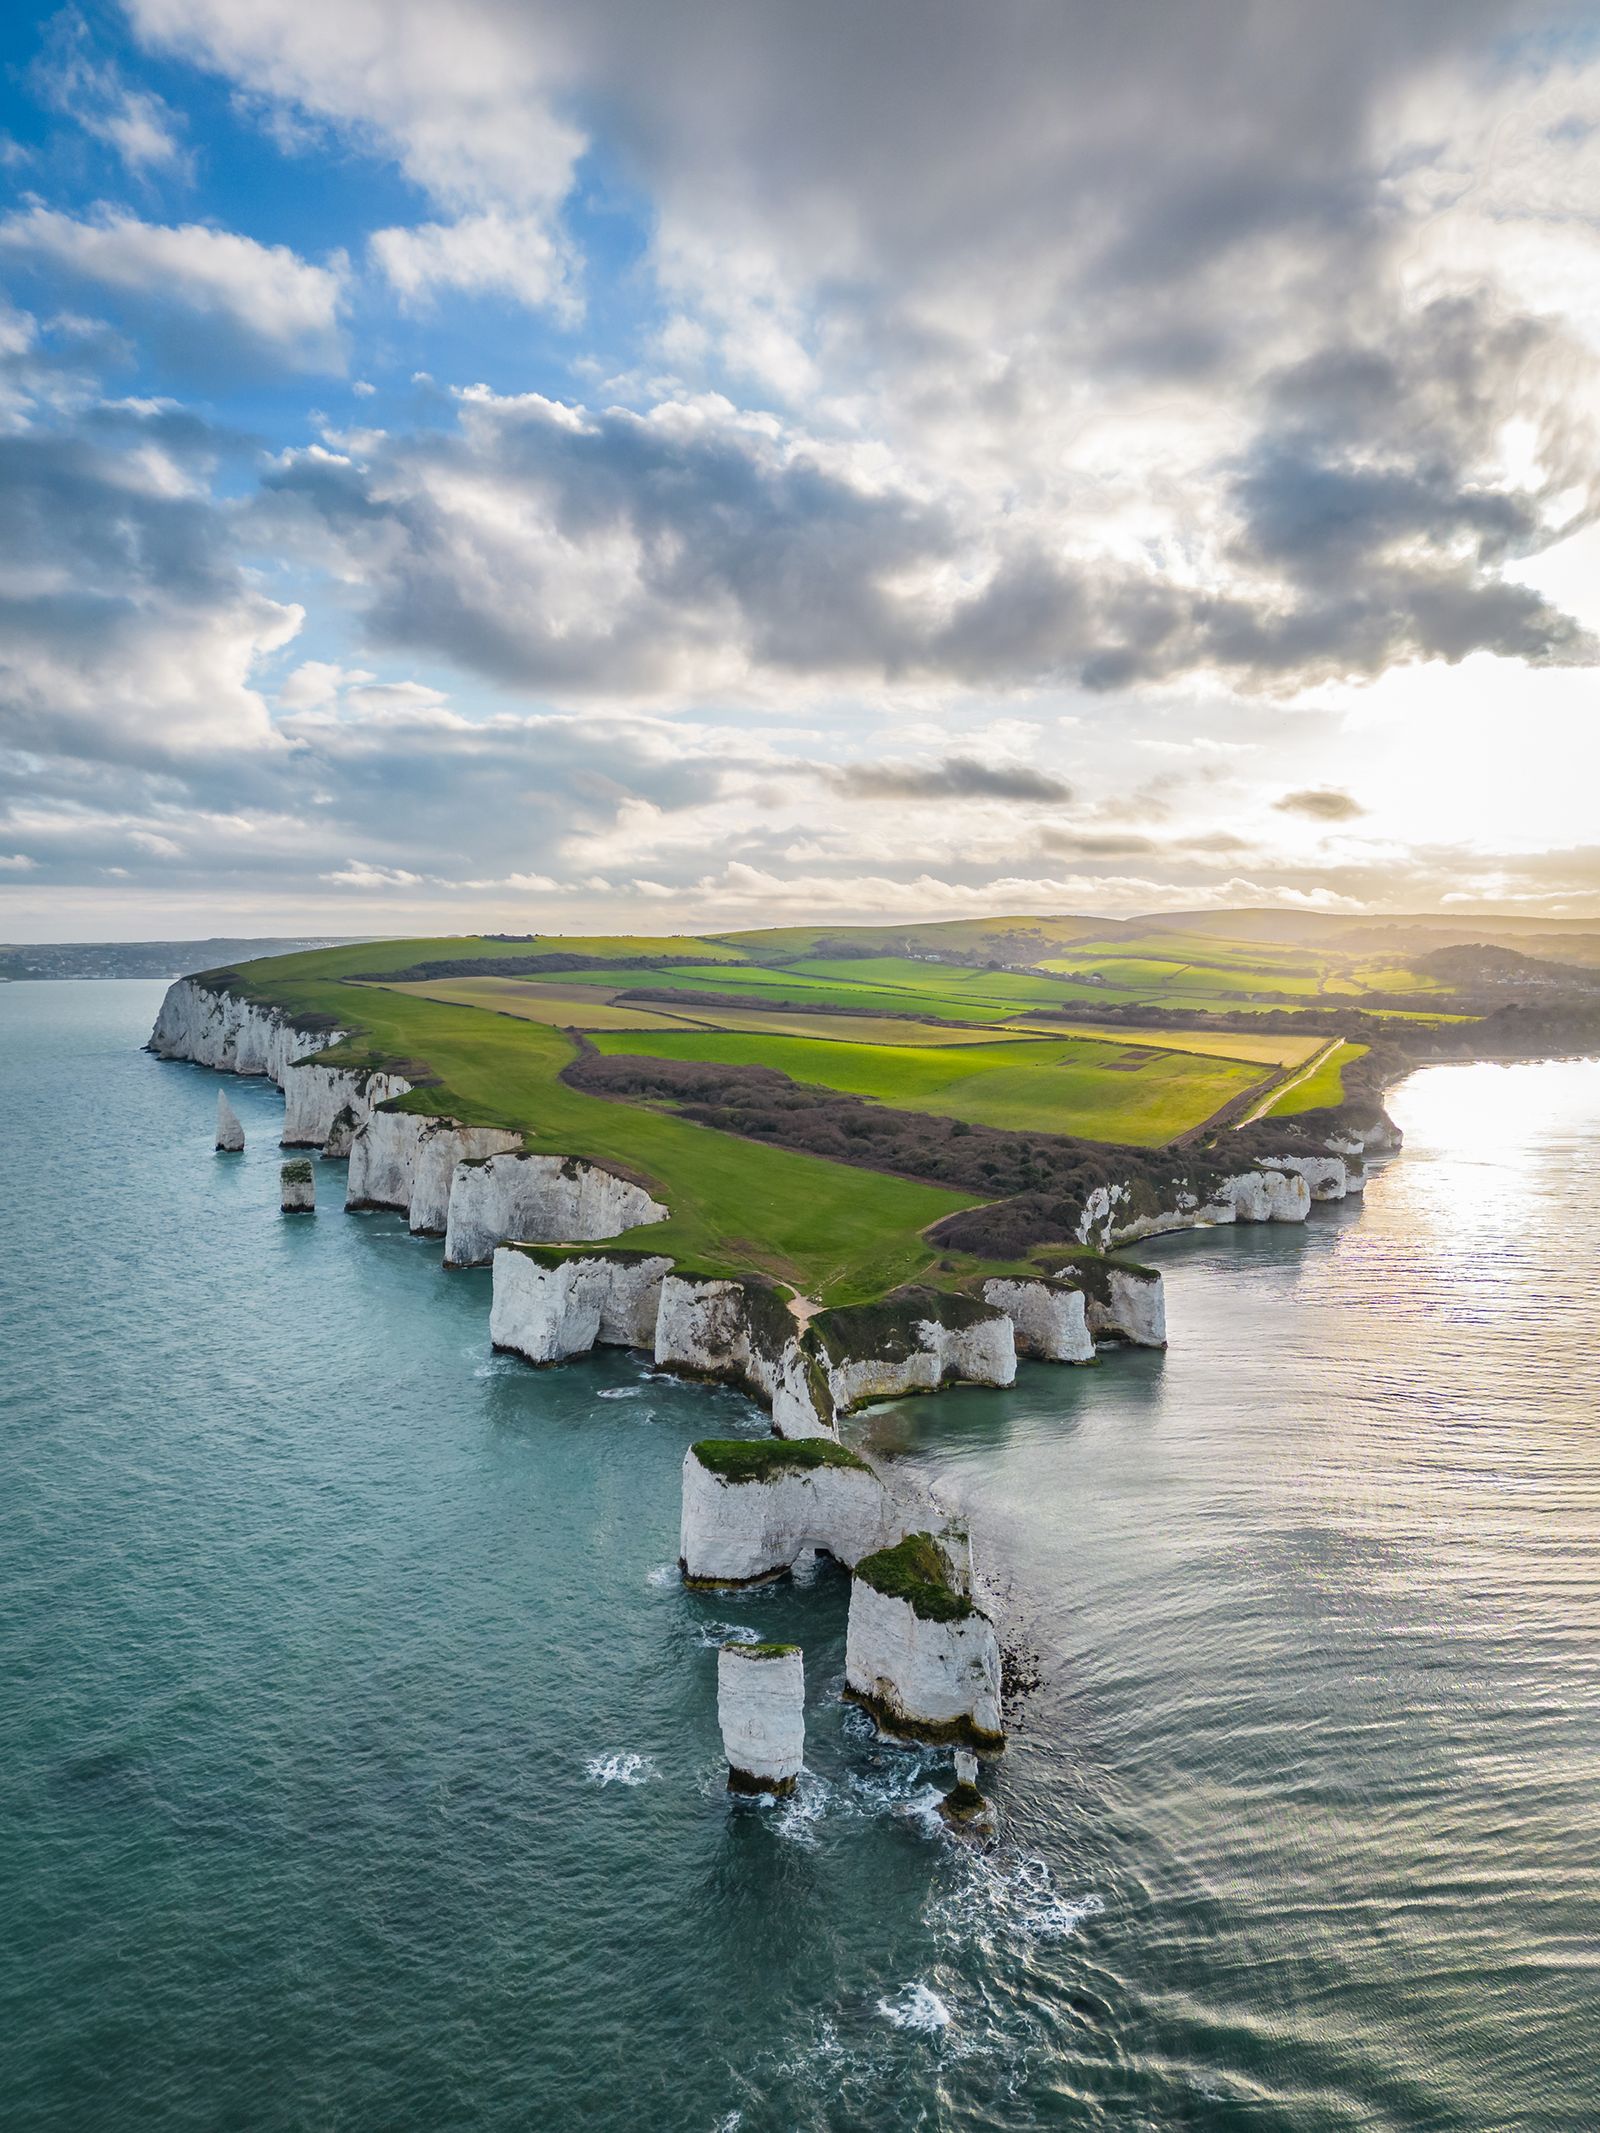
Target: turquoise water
pixel 358 1760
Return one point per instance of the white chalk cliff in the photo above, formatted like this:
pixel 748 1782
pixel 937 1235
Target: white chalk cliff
pixel 1122 1213
pixel 737 1528
pixel 223 1030
pixel 407 1161
pixel 516 1198
pixel 761 1710
pixel 1326 1177
pixel 741 1333
pixel 317 1099
pixel 1121 1301
pixel 1047 1319
pixel 297 1188
pixel 549 1309
pixel 914 1342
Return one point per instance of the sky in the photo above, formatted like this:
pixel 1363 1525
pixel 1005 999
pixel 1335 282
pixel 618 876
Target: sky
pixel 576 464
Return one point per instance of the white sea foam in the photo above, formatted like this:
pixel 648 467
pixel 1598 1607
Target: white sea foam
pixel 805 1807
pixel 916 2006
pixel 663 1575
pixel 713 1635
pixel 621 1769
pixel 1010 1892
pixel 620 1392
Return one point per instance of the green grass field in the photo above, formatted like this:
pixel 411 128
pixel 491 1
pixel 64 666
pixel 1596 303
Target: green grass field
pixel 1323 1087
pixel 1101 1091
pixel 836 1233
pixel 495 1047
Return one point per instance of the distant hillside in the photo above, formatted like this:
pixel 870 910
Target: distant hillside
pixel 1577 940
pixel 1503 969
pixel 152 959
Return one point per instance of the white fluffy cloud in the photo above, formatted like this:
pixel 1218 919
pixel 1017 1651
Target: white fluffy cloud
pixel 263 297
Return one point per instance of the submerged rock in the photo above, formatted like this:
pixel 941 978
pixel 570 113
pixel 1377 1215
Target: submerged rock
pixel 230 1134
pixel 964 1810
pixel 298 1188
pixel 761 1708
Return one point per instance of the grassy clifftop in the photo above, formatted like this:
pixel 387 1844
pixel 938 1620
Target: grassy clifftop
pixel 834 1233
pixel 857 1046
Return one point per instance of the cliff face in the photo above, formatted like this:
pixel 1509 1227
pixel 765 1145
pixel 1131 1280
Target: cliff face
pixel 515 1198
pixel 742 1333
pixel 1121 1301
pixel 1122 1213
pixel 739 1527
pixel 297 1188
pixel 914 1342
pixel 547 1310
pixel 1047 1318
pixel 219 1029
pixel 761 1710
pixel 405 1161
pixel 317 1099
pixel 1326 1177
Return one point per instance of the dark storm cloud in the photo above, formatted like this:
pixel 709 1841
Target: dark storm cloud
pixel 1321 803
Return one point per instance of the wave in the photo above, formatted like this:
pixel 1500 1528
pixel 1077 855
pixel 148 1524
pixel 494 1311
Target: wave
pixel 624 1768
pixel 916 2006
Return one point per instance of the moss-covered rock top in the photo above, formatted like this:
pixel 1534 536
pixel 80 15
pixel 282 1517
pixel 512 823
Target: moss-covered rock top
pixel 765 1458
pixel 297 1172
pixel 760 1651
pixel 915 1571
pixel 887 1330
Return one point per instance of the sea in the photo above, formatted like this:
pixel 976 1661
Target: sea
pixel 358 1754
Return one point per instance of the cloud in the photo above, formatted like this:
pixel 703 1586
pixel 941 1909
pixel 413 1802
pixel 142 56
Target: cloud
pixel 359 874
pixel 956 777
pixel 17 863
pixel 261 301
pixel 490 253
pixel 139 126
pixel 1321 804
pixel 694 546
pixel 128 632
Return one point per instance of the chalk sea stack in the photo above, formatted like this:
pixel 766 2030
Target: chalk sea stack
pixel 761 1708
pixel 299 1187
pixel 230 1134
